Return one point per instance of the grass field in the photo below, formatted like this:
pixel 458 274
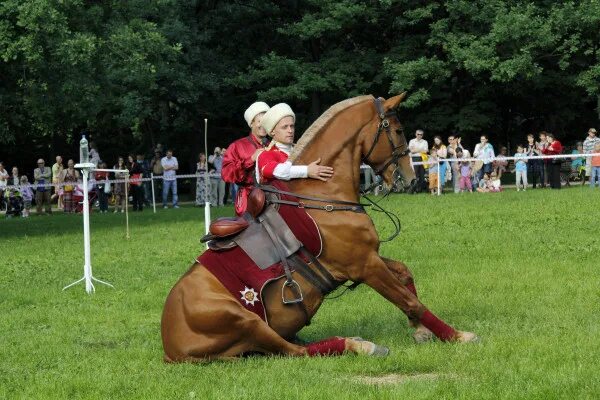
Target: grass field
pixel 519 269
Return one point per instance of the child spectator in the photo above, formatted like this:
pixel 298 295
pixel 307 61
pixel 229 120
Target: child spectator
pixel 27 195
pixel 595 167
pixel 14 201
pixel 500 164
pixel 521 168
pixel 102 188
pixel 578 162
pixel 485 184
pixel 433 171
pixel 465 177
pixel 496 185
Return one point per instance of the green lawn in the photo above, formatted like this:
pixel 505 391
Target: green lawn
pixel 519 269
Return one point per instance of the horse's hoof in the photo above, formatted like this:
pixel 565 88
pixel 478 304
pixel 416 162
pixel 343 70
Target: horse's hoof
pixel 362 346
pixel 422 335
pixel 380 351
pixel 467 337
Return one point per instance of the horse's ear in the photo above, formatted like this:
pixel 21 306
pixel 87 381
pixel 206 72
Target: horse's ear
pixel 393 102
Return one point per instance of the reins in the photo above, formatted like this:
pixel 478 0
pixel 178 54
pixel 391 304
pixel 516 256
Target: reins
pixel 344 205
pixel 394 219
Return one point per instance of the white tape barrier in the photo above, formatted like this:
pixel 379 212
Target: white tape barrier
pixel 492 159
pixel 363 166
pixel 93 182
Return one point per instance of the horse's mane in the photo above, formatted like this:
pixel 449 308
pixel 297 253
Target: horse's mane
pixel 322 122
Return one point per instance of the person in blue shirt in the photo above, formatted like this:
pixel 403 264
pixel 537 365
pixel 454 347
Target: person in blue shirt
pixel 578 164
pixel 521 168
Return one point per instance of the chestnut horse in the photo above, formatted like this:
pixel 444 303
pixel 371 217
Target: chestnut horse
pixel 203 321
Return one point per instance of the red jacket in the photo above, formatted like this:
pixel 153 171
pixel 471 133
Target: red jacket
pixel 238 168
pixel 554 148
pixel 268 160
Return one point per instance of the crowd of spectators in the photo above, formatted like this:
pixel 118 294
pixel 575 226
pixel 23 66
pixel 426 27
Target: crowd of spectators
pixel 212 188
pixel 61 184
pixel 437 165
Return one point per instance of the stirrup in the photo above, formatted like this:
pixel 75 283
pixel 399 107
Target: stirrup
pixel 291 284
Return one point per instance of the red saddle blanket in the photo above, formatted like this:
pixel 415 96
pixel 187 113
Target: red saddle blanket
pixel 242 277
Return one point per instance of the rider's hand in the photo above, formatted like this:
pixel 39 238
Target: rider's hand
pixel 320 172
pixel 256 153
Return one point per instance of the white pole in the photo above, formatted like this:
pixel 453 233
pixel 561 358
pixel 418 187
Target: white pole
pixel 126 206
pixel 153 198
pixel 439 181
pixel 87 266
pixel 206 178
pixel 88 277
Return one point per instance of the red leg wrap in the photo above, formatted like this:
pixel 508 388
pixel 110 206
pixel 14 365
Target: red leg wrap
pixel 437 326
pixel 411 287
pixel 328 347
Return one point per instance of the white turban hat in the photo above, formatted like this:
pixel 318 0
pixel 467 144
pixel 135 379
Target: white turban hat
pixel 254 110
pixel 276 114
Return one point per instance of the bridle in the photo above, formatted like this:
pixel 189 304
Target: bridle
pixel 384 125
pixel 397 154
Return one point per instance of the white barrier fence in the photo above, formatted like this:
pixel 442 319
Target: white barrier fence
pixel 439 161
pixel 111 181
pixel 92 183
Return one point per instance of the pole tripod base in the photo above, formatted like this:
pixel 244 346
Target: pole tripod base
pixel 89 286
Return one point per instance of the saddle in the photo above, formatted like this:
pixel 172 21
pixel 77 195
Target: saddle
pixel 260 232
pixel 266 238
pixel 225 227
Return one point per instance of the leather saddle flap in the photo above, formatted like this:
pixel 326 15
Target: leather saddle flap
pixel 257 244
pixel 224 227
pixel 256 202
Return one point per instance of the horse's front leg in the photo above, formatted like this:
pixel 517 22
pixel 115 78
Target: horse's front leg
pixel 381 278
pixel 404 275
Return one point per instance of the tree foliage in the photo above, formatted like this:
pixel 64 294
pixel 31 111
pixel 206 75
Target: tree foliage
pixel 134 73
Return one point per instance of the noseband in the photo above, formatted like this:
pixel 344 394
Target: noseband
pixel 384 124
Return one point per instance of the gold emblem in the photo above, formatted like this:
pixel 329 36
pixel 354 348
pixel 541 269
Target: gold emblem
pixel 249 296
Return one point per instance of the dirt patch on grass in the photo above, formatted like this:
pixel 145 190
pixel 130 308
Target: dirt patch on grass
pixel 395 379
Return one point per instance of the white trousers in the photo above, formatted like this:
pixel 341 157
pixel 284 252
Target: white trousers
pixel 521 178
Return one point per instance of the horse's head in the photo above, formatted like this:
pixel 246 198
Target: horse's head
pixel 384 145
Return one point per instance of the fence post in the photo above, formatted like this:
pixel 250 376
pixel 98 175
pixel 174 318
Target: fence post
pixel 127 205
pixel 439 181
pixel 152 185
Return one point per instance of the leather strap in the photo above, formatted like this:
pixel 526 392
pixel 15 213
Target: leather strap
pixel 271 189
pixel 327 207
pixel 328 279
pixel 304 270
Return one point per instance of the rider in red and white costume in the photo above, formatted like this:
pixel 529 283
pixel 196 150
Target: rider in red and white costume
pixel 240 157
pixel 273 163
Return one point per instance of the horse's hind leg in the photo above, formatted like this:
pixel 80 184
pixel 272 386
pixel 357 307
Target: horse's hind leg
pixel 403 274
pixel 265 340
